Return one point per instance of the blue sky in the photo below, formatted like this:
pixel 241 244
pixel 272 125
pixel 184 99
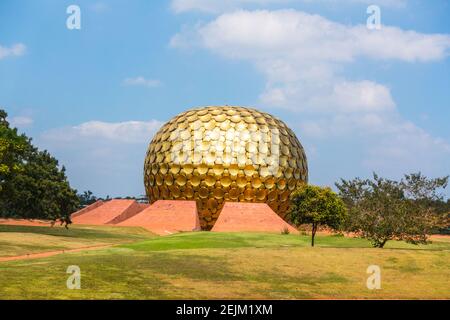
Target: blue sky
pixel 359 100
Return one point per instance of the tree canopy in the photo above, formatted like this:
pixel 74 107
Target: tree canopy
pixel 32 185
pixel 317 206
pixel 381 209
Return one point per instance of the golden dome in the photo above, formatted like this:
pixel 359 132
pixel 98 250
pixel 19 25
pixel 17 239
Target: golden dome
pixel 216 154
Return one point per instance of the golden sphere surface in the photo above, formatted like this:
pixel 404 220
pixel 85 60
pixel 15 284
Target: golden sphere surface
pixel 217 154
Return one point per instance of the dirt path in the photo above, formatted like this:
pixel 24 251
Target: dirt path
pixel 53 253
pixel 25 222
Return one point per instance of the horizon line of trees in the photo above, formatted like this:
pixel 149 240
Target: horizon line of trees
pixel 376 209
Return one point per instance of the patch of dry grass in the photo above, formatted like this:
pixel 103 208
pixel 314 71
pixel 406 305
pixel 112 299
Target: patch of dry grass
pixel 234 266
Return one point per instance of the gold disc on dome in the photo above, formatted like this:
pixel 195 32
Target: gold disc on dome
pixel 210 125
pixel 248 194
pixel 181 180
pixel 281 184
pixel 269 183
pixel 284 139
pixel 192 118
pixel 249 170
pixel 202 112
pixel 218 193
pixel 249 119
pixel 164 192
pixel 188 168
pixel 260 120
pixel 264 171
pixel 205 118
pixel 195 181
pixel 210 181
pixel 241 182
pixel 233 193
pixel 159 180
pixel 216 111
pixel 233 169
pixel 220 117
pixel 256 182
pixel 273 195
pixel 225 126
pixel 251 147
pixel 212 203
pixel 218 169
pixel 168 179
pixel 174 168
pixel 156 192
pixel 151 180
pixel 203 192
pixel 236 118
pixel 225 181
pixel 284 196
pixel 188 192
pixel 288 173
pixel 261 194
pixel 292 184
pixel 185 135
pixel 202 168
pixel 174 192
pixel 164 168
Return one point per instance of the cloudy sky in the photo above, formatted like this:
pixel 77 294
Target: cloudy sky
pixel 359 99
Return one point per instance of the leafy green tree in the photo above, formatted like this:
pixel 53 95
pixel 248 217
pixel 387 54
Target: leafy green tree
pixel 32 184
pixel 316 206
pixel 87 198
pixel 382 209
pixel 13 148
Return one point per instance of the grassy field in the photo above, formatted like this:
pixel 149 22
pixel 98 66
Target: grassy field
pixel 206 265
pixel 20 240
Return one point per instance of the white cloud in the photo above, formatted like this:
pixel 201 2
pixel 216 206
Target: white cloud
pixel 298 36
pixel 141 81
pixel 15 50
pixel 215 6
pixel 21 121
pixel 104 157
pixel 302 57
pixel 122 132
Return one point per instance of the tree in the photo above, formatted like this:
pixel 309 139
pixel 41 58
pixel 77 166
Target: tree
pixel 87 198
pixel 382 209
pixel 316 206
pixel 13 148
pixel 32 185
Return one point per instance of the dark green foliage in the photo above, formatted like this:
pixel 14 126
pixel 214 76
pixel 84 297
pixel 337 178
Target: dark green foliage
pixel 87 198
pixel 32 184
pixel 13 148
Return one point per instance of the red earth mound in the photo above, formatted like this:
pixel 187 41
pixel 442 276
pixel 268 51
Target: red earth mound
pixel 166 216
pixel 110 212
pixel 87 209
pixel 241 217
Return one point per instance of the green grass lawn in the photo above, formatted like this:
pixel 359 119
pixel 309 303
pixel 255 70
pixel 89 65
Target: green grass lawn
pixel 21 240
pixel 207 265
